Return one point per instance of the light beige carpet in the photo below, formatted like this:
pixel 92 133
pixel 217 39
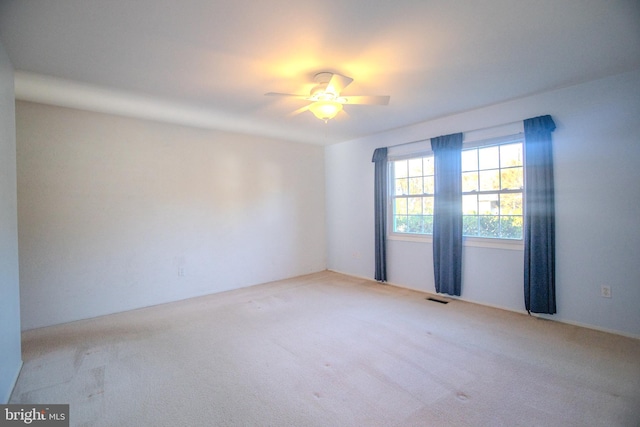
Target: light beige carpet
pixel 330 350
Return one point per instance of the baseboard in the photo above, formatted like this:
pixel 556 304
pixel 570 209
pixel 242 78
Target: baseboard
pixel 5 399
pixel 537 316
pixel 389 284
pixel 587 326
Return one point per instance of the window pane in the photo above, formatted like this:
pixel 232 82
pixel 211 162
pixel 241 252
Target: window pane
pixel 511 227
pixel 489 226
pixel 470 205
pixel 400 224
pixel 427 205
pixel 415 167
pixel 488 204
pixel 400 168
pixel 415 205
pixel 401 206
pixel 511 178
pixel 469 181
pixel 511 204
pixel 429 186
pixel 470 225
pixel 510 155
pixel 428 224
pixel 428 165
pixel 415 185
pixel 490 180
pixel 489 158
pixel 414 224
pixel 470 160
pixel 402 186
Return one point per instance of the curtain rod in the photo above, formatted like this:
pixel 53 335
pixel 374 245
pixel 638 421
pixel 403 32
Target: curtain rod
pixel 467 131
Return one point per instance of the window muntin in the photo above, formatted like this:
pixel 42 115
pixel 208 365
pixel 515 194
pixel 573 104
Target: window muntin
pixel 492 186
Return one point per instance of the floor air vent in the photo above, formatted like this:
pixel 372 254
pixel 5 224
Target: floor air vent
pixel 438 300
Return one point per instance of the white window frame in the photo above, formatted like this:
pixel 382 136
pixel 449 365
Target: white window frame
pixel 391 186
pixel 418 150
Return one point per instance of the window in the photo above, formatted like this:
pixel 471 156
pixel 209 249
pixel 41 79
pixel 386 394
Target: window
pixel 492 184
pixel 413 187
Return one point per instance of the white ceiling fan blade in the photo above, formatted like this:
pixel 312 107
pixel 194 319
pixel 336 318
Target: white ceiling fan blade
pixel 342 115
pixel 365 100
pixel 291 95
pixel 298 111
pixel 338 83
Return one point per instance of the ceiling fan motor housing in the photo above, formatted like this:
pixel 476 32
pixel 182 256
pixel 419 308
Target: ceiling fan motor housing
pixel 319 91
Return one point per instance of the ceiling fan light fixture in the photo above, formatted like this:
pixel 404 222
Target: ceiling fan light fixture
pixel 324 97
pixel 325 110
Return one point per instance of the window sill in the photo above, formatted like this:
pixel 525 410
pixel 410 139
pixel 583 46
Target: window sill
pixel 408 237
pixel 476 242
pixel 479 242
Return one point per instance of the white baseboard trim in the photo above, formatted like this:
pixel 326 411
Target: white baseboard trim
pixel 537 316
pixel 5 399
pixel 587 326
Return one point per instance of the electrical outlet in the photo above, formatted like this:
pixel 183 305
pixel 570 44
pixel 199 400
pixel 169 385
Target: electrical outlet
pixel 605 291
pixel 181 272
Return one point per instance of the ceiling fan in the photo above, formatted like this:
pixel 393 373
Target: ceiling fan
pixel 326 99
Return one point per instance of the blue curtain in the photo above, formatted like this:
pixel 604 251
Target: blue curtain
pixel 539 217
pixel 447 214
pixel 380 189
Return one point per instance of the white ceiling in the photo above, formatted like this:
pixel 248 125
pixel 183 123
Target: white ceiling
pixel 209 63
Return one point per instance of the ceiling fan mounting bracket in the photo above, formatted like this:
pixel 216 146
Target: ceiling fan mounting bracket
pixel 323 77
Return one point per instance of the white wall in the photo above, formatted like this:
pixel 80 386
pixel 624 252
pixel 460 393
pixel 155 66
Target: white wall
pixel 113 210
pixel 10 349
pixel 597 158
